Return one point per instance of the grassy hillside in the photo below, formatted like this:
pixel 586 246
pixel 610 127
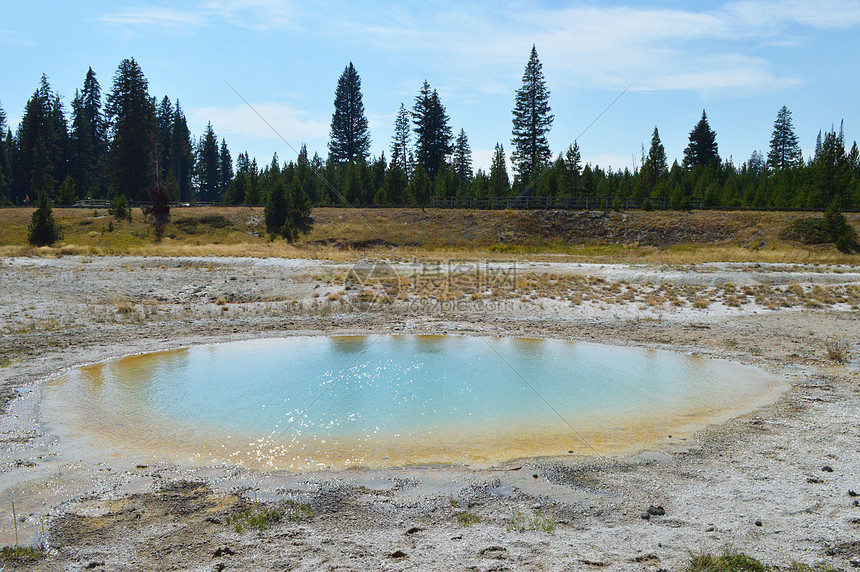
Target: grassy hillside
pixel 633 235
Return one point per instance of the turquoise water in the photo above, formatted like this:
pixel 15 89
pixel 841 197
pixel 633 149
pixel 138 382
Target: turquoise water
pixel 306 402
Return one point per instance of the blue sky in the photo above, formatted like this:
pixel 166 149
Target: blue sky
pixel 740 61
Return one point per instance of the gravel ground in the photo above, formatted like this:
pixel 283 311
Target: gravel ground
pixel 773 483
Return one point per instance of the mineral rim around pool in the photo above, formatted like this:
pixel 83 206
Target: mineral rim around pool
pixel 304 403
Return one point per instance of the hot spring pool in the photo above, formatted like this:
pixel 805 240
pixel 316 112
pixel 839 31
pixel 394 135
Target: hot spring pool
pixel 306 403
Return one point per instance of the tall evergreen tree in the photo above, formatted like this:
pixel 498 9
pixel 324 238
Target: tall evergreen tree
pixel 419 187
pixel 784 147
pixel 208 166
pixel 400 142
pixel 131 114
pixel 500 184
pixel 42 144
pixel 225 168
pixel 164 118
pixel 235 193
pixel 349 137
pixel 572 165
pixel 463 159
pixel 656 159
pixel 88 139
pixel 433 143
pixel 181 166
pixel 654 168
pixel 702 149
pixel 832 173
pixel 5 164
pixel 818 146
pixel 532 121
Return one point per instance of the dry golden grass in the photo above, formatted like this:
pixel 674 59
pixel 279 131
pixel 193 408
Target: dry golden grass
pixel 350 234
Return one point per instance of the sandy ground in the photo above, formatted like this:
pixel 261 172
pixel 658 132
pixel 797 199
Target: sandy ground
pixel 773 483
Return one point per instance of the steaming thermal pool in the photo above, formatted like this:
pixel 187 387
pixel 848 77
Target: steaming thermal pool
pixel 314 402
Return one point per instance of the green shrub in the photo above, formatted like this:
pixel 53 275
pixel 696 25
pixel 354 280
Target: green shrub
pixel 43 229
pixel 539 522
pixel 21 553
pixel 833 228
pixel 467 518
pixel 260 518
pixel 119 208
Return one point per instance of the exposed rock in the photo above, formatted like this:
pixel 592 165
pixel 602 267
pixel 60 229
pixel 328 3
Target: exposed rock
pixel 656 510
pixel 499 552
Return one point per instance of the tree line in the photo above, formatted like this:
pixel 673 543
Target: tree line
pixel 135 144
pixel 130 144
pixel 427 161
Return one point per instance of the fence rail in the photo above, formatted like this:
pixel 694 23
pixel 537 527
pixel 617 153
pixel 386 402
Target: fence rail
pixel 492 203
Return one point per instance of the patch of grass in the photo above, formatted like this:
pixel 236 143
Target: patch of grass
pixel 199 224
pixel 343 234
pixel 5 362
pixel 21 553
pixel 125 306
pixel 260 517
pixel 837 349
pixel 467 518
pixel 539 521
pixel 731 561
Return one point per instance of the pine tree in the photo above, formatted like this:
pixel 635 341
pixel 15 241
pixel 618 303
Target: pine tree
pixel 572 165
pixel 208 166
pixel 419 187
pixel 164 119
pixel 500 184
pixel 832 173
pixel 394 187
pixel 225 168
pixel 350 139
pixel 531 123
pixel 5 172
pixel 784 147
pixel 235 192
pixel 43 229
pixel 88 140
pixel 654 168
pixel 131 115
pixel 181 164
pixel 67 194
pixel 252 191
pixel 433 143
pixel 277 210
pixel 702 149
pixel 400 142
pixel 463 159
pixel 42 144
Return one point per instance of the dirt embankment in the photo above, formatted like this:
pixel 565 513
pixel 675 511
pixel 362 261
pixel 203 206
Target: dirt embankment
pixel 241 231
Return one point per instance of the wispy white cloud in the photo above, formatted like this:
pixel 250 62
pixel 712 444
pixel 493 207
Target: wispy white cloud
pixel 251 14
pixel 293 124
pixel 481 50
pixel 12 38
pixel 606 47
pixel 823 14
pixel 149 16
